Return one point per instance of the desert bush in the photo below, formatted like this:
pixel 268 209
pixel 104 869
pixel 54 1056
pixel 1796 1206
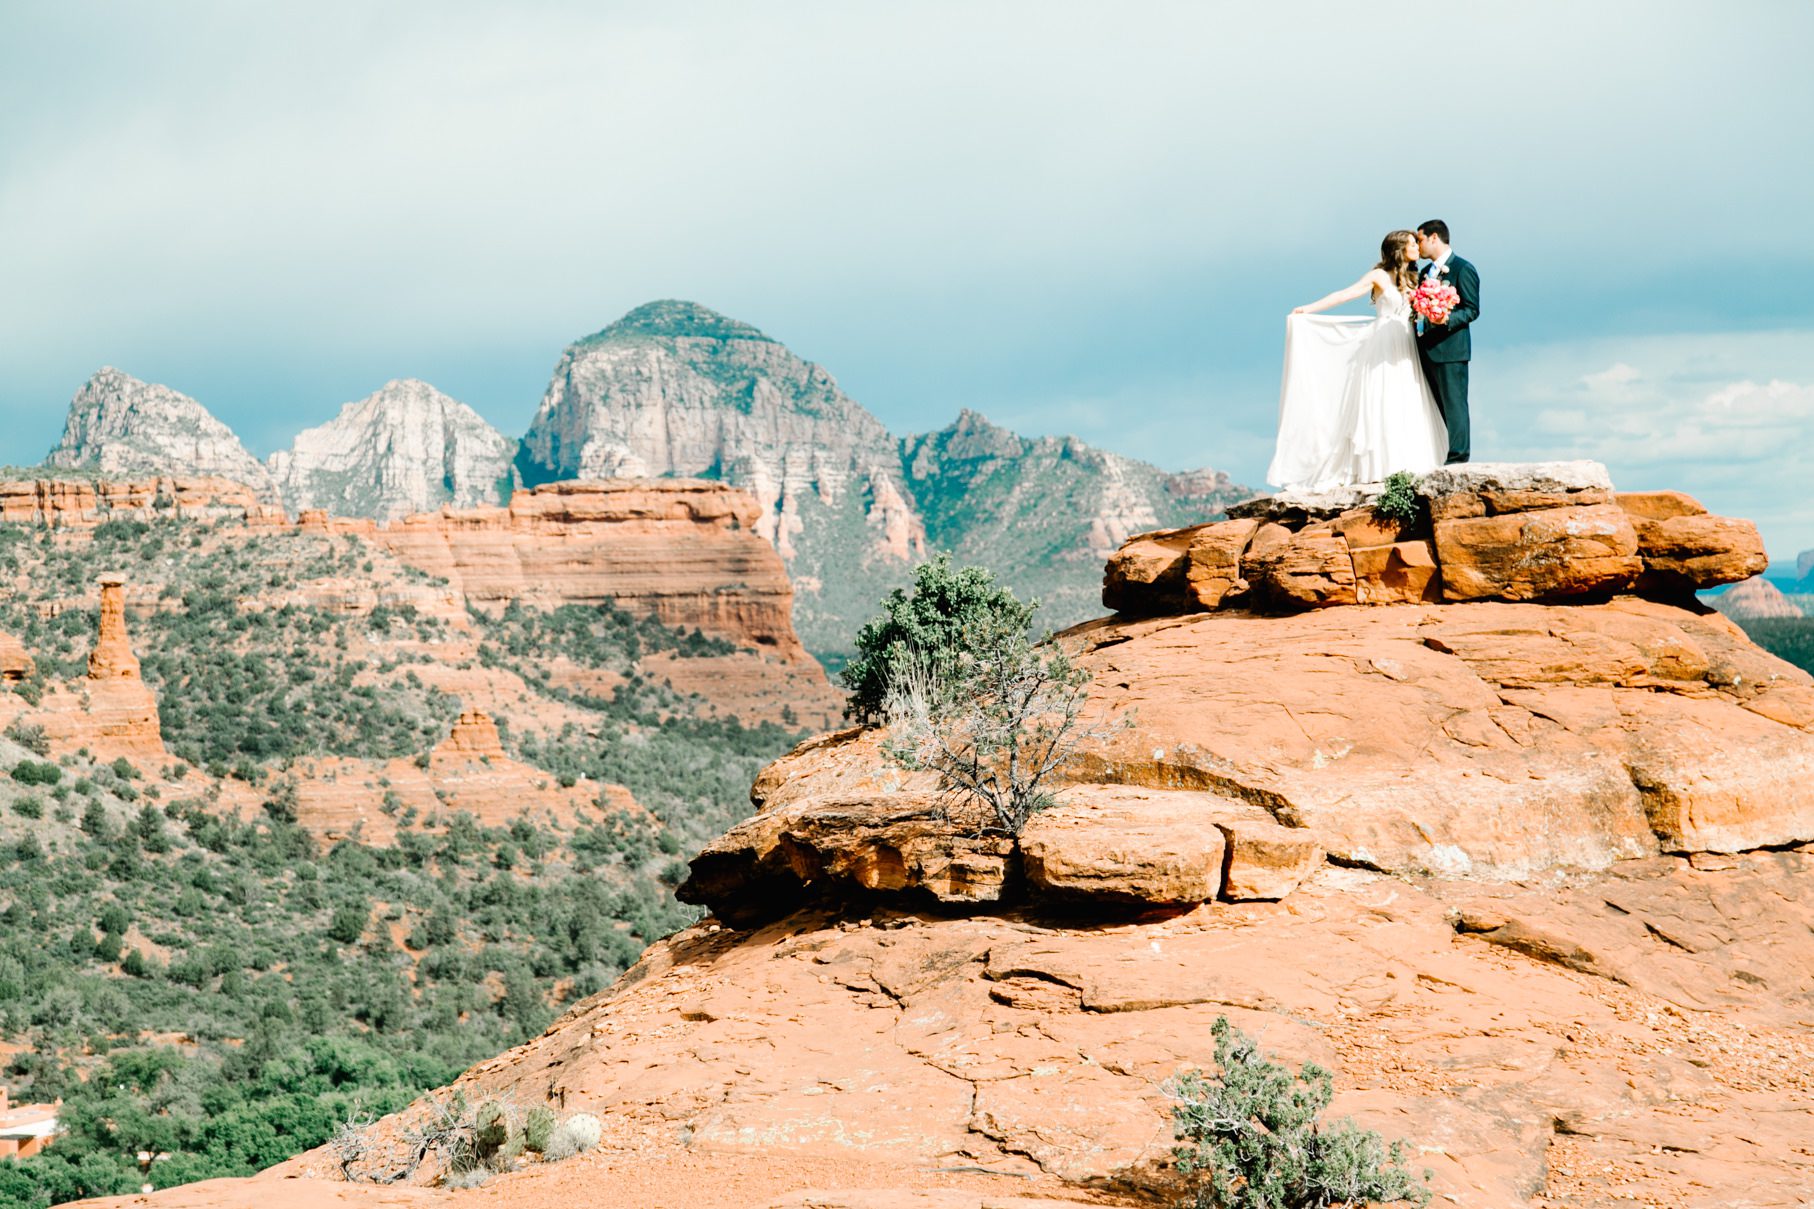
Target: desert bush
pixel 994 719
pixel 1251 1137
pixel 948 609
pixel 33 772
pixel 30 736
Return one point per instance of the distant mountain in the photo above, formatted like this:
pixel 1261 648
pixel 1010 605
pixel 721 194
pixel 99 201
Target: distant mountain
pixel 405 448
pixel 1755 599
pixel 1046 513
pixel 676 389
pixel 120 425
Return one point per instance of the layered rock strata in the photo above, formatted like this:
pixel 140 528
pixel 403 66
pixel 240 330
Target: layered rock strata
pixel 683 551
pixel 85 503
pixel 1549 532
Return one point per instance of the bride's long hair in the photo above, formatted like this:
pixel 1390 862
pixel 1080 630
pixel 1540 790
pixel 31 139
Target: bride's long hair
pixel 1399 266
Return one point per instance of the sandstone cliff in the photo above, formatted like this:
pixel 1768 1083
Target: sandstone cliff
pixel 675 389
pixel 119 425
pixel 85 503
pixel 405 448
pixel 685 552
pixel 1513 844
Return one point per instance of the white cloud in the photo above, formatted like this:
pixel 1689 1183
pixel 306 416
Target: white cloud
pixel 1726 417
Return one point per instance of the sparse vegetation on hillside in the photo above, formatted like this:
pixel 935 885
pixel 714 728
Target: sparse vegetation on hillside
pixel 226 992
pixel 1252 1136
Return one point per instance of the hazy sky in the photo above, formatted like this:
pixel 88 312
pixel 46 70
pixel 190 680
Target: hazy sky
pixel 1086 218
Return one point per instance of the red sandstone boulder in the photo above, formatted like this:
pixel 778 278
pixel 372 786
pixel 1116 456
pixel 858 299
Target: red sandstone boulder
pixel 1546 554
pixel 1309 570
pixel 1699 551
pixel 1213 562
pixel 15 661
pixel 1147 574
pixel 1127 845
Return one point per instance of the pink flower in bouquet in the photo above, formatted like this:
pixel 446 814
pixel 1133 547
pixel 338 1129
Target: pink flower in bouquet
pixel 1433 299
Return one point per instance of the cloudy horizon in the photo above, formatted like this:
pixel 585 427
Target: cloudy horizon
pixel 1069 219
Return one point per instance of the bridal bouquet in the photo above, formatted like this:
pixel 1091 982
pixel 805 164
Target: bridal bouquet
pixel 1433 299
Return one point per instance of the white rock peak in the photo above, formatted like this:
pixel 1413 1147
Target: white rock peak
pixel 120 425
pixel 406 447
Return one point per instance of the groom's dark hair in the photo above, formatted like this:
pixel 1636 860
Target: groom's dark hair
pixel 1436 227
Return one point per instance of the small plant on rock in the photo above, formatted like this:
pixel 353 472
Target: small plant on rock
pixel 1398 502
pixel 1251 1138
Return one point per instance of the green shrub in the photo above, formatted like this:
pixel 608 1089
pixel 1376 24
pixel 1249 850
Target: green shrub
pixel 1251 1138
pixel 1399 500
pixel 32 772
pixel 347 924
pixel 947 609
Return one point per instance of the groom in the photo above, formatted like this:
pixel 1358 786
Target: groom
pixel 1444 348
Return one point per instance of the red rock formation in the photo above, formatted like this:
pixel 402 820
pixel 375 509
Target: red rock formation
pixel 1561 944
pixel 84 503
pixel 15 661
pixel 1485 532
pixel 1756 598
pixel 685 551
pixel 468 771
pixel 112 657
pixel 112 712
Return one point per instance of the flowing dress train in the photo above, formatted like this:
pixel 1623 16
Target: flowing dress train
pixel 1354 406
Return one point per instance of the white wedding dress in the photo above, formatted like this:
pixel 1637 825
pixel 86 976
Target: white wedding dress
pixel 1354 406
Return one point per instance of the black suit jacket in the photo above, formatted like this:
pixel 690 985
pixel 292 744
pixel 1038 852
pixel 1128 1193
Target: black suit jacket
pixel 1450 341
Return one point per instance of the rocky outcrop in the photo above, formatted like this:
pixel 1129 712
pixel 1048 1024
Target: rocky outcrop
pixel 683 551
pixel 1513 532
pixel 112 711
pixel 118 425
pixel 15 661
pixel 112 657
pixel 85 503
pixel 405 448
pixel 1756 599
pixel 675 389
pixel 468 772
pixel 1527 877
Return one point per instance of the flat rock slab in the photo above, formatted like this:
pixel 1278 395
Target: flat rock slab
pixel 1485 740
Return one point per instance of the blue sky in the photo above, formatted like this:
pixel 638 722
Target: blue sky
pixel 1085 218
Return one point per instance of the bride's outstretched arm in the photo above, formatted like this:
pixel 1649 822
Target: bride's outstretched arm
pixel 1365 285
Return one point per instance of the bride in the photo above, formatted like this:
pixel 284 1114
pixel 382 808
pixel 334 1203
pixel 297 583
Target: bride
pixel 1354 406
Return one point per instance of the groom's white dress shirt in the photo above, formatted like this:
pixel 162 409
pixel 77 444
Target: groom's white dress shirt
pixel 1438 264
